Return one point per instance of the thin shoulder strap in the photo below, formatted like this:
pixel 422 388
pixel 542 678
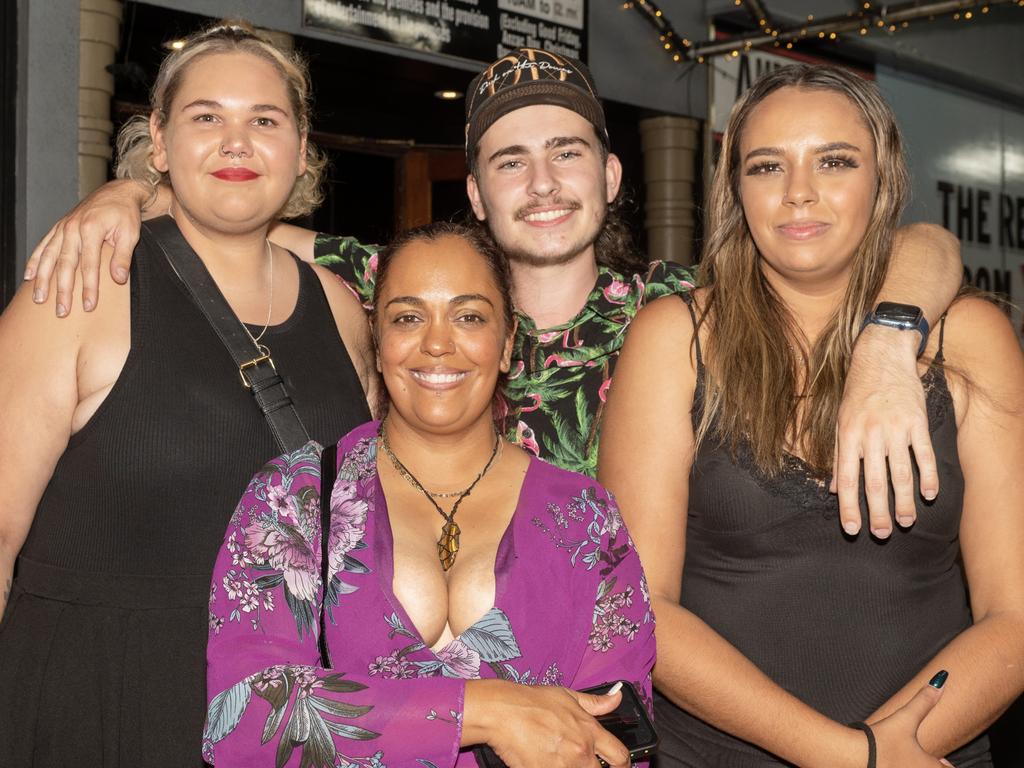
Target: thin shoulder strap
pixel 328 474
pixel 688 300
pixel 942 332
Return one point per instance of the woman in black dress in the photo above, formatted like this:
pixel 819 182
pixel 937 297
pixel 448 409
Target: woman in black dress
pixel 127 434
pixel 777 628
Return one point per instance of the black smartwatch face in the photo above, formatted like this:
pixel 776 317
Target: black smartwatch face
pixel 902 314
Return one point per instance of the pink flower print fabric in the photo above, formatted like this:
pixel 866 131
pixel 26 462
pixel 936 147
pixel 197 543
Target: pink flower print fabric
pixel 389 700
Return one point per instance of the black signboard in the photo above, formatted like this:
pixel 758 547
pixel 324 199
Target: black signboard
pixel 482 30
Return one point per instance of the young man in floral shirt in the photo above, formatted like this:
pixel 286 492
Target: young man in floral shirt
pixel 549 199
pixel 544 183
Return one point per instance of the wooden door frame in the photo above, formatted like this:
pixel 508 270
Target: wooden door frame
pixel 416 170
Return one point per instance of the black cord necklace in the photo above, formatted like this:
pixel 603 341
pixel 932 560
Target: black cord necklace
pixel 448 544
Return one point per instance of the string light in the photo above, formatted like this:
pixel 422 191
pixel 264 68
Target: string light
pixel 889 17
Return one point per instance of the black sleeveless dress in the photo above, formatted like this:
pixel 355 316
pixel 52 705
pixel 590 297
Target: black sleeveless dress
pixel 841 623
pixel 102 645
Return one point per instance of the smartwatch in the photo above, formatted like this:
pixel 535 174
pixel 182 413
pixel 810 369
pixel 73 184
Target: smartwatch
pixel 905 317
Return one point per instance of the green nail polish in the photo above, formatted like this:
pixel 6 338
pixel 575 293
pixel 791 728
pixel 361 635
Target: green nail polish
pixel 939 680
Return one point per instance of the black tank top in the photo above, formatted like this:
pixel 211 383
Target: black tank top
pixel 841 623
pixel 148 484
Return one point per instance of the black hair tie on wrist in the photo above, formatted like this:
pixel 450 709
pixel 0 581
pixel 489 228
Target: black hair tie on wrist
pixel 872 747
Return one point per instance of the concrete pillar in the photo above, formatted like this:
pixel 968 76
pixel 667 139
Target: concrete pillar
pixel 670 170
pixel 99 37
pixel 46 172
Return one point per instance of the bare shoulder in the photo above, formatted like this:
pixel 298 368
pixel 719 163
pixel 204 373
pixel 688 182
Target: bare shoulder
pixel 339 294
pixel 37 328
pixel 664 330
pixel 980 343
pixel 665 315
pixel 978 331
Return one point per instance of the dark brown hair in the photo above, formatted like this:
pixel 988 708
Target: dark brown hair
pixel 753 368
pixel 614 246
pixel 480 241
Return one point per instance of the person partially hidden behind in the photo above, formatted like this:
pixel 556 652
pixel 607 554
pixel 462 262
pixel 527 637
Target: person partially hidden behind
pixel 544 182
pixel 468 587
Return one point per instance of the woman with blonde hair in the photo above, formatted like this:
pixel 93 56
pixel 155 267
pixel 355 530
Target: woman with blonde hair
pixel 129 432
pixel 782 639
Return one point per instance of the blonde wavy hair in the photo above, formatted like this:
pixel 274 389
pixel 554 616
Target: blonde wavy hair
pixel 753 370
pixel 135 145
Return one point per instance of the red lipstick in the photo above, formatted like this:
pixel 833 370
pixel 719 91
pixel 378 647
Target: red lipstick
pixel 235 174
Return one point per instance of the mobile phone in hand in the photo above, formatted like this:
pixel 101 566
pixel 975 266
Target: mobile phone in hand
pixel 629 723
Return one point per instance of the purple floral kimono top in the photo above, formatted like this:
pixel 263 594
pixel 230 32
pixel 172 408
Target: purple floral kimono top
pixel 571 608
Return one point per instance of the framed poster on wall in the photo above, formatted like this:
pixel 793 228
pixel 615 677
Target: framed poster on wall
pixel 478 30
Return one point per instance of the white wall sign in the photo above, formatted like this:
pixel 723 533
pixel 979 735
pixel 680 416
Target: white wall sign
pixel 967 162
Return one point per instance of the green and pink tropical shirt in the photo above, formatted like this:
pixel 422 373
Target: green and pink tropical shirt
pixel 560 376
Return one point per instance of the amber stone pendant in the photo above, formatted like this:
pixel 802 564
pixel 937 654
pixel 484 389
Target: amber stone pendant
pixel 448 544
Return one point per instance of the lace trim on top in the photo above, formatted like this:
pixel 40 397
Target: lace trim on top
pixel 796 483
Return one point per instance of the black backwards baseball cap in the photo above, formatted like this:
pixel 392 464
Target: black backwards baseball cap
pixel 526 77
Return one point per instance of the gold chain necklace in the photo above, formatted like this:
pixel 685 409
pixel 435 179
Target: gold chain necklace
pixel 448 544
pixel 262 349
pixel 270 304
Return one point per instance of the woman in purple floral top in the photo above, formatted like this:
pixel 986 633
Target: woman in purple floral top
pixel 435 645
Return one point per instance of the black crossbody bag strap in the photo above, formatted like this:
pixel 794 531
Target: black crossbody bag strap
pixel 255 367
pixel 328 473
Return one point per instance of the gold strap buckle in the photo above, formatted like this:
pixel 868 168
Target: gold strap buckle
pixel 264 358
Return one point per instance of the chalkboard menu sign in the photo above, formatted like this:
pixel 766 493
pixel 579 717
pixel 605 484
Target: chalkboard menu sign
pixel 482 30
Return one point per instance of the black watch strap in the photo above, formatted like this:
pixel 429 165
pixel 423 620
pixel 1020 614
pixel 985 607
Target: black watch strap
pixel 905 317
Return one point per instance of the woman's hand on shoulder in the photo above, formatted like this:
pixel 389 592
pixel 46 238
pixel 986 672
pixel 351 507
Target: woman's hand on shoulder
pixel 542 726
pixel 110 216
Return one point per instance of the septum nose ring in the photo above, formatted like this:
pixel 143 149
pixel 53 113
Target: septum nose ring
pixel 229 153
